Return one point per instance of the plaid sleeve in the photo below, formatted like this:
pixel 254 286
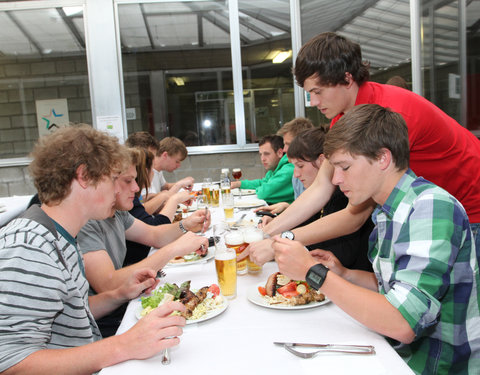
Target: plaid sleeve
pixel 426 248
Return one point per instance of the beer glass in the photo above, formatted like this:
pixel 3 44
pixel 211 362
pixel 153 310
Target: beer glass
pixel 206 185
pixel 234 240
pixel 227 203
pixel 226 267
pixel 237 173
pixel 252 234
pixel 214 195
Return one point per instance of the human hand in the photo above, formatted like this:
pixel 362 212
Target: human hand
pixel 260 252
pixel 198 221
pixel 188 243
pixel 182 197
pixel 292 257
pixel 153 333
pixel 265 220
pixel 276 208
pixel 186 183
pixel 331 261
pixel 140 281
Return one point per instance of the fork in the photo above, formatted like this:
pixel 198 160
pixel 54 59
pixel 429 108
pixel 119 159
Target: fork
pixel 160 274
pixel 166 357
pixel 331 348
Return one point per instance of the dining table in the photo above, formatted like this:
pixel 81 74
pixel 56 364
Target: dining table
pixel 240 338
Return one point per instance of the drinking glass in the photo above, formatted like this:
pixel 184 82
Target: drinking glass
pixel 227 203
pixel 234 240
pixel 214 195
pixel 237 173
pixel 206 185
pixel 252 234
pixel 226 267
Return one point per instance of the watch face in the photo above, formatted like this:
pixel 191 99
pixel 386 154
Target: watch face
pixel 288 234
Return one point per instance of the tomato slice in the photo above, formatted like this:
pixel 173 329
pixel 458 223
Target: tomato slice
pixel 262 291
pixel 290 287
pixel 290 294
pixel 214 289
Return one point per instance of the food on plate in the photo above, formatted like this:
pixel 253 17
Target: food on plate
pixel 197 303
pixel 279 289
pixel 190 257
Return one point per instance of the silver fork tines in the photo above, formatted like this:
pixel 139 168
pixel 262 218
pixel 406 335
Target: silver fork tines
pixel 332 349
pixel 160 274
pixel 166 357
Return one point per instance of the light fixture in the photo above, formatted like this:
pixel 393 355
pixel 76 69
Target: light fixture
pixel 281 56
pixel 207 123
pixel 178 81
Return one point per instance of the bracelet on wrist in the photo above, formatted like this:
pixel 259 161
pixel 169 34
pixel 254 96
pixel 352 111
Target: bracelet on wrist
pixel 182 227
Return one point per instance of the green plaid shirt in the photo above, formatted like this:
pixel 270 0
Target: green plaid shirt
pixel 427 267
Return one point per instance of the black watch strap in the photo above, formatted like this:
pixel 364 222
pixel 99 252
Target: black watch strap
pixel 316 276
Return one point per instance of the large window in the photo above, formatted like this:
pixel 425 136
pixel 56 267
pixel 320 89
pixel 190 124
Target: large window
pixel 178 69
pixel 43 75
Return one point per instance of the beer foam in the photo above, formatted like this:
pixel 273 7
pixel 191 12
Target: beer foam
pixel 225 255
pixel 253 236
pixel 234 238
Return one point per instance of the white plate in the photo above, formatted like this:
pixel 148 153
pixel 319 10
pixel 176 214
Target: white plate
pixel 236 192
pixel 249 203
pixel 209 315
pixel 210 255
pixel 255 297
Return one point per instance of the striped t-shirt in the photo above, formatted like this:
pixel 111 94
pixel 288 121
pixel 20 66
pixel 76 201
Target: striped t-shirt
pixel 43 294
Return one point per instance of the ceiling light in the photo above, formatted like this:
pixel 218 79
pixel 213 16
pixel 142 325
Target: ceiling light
pixel 178 81
pixel 207 123
pixel 281 56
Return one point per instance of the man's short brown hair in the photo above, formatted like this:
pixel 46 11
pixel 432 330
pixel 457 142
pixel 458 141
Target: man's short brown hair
pixel 142 139
pixel 328 56
pixel 57 156
pixel 295 126
pixel 365 130
pixel 172 146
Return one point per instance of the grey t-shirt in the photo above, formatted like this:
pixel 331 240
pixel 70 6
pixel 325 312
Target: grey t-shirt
pixel 108 234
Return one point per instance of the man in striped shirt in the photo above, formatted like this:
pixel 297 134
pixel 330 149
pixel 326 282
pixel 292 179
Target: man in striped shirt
pixel 423 293
pixel 44 302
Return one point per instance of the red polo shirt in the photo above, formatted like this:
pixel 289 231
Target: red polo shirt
pixel 441 150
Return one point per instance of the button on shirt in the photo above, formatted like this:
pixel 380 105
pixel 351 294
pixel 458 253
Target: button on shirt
pixel 427 267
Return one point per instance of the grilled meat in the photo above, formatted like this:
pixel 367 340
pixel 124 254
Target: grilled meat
pixel 191 300
pixel 271 285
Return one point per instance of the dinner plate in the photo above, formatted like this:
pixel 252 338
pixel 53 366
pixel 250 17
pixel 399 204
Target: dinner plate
pixel 209 315
pixel 255 297
pixel 236 192
pixel 210 255
pixel 249 203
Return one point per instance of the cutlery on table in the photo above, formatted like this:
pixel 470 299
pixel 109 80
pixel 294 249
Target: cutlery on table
pixel 166 357
pixel 334 348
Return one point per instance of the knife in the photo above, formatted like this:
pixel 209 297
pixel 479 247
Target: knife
pixel 360 348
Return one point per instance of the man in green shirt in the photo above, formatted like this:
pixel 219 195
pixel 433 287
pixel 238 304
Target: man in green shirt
pixel 276 186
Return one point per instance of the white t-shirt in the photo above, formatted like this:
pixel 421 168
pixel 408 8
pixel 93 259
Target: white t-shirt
pixel 157 183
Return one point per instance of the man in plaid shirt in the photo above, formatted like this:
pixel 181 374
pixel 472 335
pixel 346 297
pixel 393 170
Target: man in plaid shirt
pixel 423 293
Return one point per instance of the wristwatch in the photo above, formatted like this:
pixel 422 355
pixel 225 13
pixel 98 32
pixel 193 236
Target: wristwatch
pixel 182 228
pixel 288 234
pixel 316 276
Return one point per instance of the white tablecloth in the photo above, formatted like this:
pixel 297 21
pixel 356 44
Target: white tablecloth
pixel 12 207
pixel 240 340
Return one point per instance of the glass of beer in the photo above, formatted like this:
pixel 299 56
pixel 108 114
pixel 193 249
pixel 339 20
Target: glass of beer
pixel 226 266
pixel 214 195
pixel 206 185
pixel 252 234
pixel 237 173
pixel 234 240
pixel 227 203
pixel 225 187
